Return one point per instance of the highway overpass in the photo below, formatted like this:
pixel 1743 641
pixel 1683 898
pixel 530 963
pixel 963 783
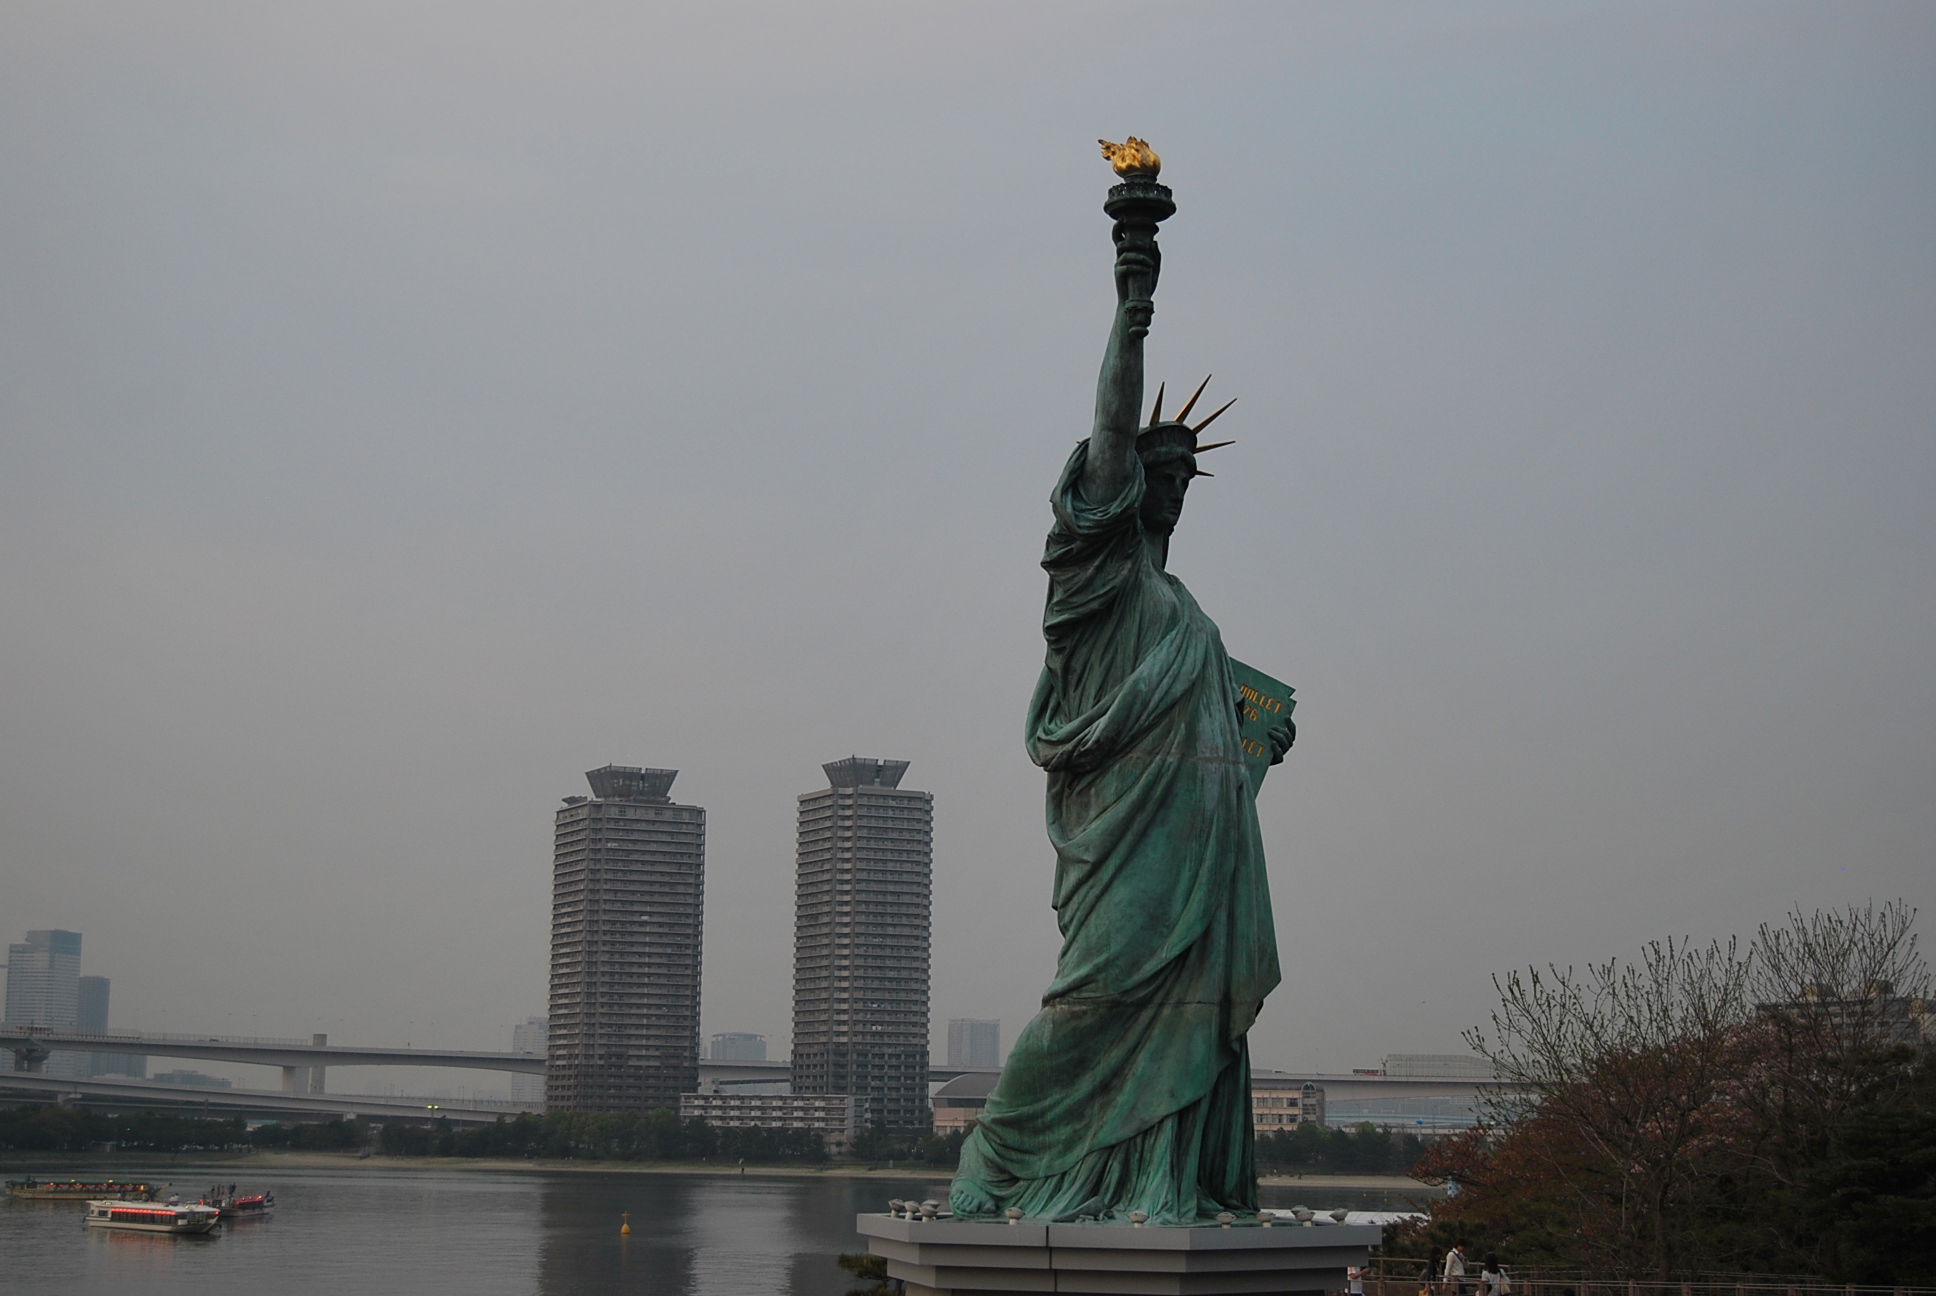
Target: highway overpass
pixel 302 1062
pixel 252 1104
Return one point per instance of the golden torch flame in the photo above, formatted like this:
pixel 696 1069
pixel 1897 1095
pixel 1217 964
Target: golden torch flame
pixel 1132 157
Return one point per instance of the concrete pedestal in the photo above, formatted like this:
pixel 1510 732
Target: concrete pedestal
pixel 958 1258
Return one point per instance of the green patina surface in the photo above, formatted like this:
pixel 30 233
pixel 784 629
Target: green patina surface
pixel 1130 1091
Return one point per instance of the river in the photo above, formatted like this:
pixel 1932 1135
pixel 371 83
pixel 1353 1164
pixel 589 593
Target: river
pixel 425 1232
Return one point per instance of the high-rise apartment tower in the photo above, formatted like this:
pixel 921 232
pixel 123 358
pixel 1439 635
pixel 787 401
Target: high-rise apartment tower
pixel 628 880
pixel 862 878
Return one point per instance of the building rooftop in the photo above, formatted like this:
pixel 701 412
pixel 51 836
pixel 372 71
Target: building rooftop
pixel 865 771
pixel 631 783
pixel 970 1084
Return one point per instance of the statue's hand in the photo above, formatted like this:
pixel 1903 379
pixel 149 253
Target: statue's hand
pixel 1283 736
pixel 1137 268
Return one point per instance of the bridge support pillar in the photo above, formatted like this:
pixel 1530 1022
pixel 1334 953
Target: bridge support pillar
pixel 31 1058
pixel 316 1073
pixel 289 1074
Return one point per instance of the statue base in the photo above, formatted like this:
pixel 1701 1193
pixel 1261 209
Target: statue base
pixel 960 1258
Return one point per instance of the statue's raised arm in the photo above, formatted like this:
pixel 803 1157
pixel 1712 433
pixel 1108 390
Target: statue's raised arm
pixel 1137 204
pixel 1119 387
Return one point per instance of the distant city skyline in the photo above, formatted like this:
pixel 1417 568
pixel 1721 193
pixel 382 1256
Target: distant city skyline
pixel 399 420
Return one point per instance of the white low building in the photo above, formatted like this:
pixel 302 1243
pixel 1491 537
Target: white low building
pixel 835 1117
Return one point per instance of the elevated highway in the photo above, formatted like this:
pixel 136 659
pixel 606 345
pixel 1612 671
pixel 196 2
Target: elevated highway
pixel 747 1073
pixel 302 1063
pixel 252 1104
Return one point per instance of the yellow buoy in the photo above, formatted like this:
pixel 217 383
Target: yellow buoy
pixel 625 1229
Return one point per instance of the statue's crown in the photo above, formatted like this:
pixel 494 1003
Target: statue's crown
pixel 1164 434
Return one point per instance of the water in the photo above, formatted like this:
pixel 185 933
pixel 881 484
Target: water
pixel 485 1233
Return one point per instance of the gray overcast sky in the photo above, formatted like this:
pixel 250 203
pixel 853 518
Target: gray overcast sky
pixel 409 406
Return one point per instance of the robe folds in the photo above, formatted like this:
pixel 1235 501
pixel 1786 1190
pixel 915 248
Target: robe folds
pixel 1131 1089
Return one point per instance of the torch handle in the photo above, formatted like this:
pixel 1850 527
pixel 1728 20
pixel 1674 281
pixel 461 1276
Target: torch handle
pixel 1138 205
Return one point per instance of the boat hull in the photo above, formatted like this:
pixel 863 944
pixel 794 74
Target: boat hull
pixel 77 1190
pixel 248 1210
pixel 148 1217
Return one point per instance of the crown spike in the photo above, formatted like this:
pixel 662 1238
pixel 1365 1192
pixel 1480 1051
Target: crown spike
pixel 1213 418
pixel 1214 445
pixel 1200 473
pixel 1156 410
pixel 1183 415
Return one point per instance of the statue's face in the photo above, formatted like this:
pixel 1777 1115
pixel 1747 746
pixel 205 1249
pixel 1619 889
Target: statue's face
pixel 1165 481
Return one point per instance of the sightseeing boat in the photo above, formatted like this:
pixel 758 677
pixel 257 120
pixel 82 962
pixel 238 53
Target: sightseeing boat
pixel 244 1205
pixel 153 1217
pixel 77 1190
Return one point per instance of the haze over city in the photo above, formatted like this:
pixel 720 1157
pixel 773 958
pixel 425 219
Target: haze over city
pixel 405 409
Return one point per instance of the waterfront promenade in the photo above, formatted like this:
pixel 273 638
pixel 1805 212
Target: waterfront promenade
pixel 1396 1276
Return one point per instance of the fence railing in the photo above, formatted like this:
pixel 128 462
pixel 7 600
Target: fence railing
pixel 1401 1278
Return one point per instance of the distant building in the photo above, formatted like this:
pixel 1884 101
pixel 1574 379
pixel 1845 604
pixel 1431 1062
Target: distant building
pixel 834 1117
pixel 91 1005
pixel 959 1103
pixel 1425 1117
pixel 974 1041
pixel 627 902
pixel 529 1036
pixel 1873 1014
pixel 93 1015
pixel 1281 1101
pixel 1458 1066
pixel 44 989
pixel 737 1046
pixel 862 877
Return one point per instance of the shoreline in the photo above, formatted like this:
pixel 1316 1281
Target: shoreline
pixel 51 1164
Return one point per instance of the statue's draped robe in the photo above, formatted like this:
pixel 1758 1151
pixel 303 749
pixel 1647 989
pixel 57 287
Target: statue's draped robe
pixel 1132 1087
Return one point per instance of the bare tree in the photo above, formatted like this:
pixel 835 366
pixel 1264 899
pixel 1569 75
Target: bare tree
pixel 1682 1105
pixel 1625 1065
pixel 1840 1018
pixel 1839 994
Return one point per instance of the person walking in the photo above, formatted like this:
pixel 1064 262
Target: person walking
pixel 1452 1273
pixel 1492 1278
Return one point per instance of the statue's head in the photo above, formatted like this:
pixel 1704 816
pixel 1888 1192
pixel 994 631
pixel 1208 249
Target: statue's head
pixel 1167 470
pixel 1168 449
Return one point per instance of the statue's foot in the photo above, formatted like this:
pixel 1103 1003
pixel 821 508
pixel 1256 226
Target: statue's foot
pixel 968 1202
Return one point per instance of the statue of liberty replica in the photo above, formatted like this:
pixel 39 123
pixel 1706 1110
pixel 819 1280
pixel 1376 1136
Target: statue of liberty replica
pixel 1130 1092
